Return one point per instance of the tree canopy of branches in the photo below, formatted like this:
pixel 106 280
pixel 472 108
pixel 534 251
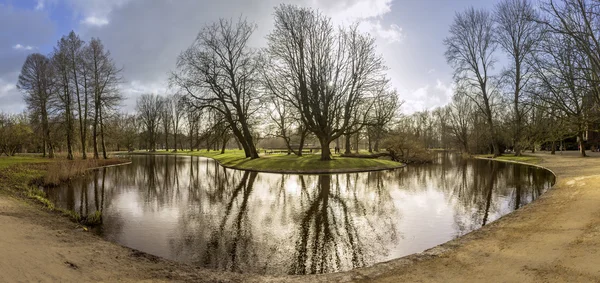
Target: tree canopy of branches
pixel 36 81
pixel 518 34
pixel 469 50
pixel 219 71
pixel 327 75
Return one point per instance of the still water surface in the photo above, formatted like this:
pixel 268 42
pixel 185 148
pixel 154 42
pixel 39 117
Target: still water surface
pixel 190 209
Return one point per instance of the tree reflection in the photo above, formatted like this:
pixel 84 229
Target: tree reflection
pixel 193 210
pixel 329 238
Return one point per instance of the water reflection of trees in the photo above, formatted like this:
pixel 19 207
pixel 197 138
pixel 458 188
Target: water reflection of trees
pixel 271 223
pixel 333 222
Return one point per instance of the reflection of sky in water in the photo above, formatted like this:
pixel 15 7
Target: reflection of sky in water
pixel 192 210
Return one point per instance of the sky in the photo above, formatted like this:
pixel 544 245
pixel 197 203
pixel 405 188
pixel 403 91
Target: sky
pixel 146 36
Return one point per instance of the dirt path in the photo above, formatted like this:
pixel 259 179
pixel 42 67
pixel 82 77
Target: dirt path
pixel 554 239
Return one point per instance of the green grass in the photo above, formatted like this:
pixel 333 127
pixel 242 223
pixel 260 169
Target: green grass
pixel 5 162
pixel 510 157
pixel 289 163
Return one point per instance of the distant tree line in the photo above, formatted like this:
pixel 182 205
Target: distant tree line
pixel 546 92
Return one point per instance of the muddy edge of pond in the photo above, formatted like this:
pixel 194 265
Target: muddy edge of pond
pixel 285 171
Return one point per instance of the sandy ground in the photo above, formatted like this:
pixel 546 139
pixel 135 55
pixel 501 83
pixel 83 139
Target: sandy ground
pixel 554 239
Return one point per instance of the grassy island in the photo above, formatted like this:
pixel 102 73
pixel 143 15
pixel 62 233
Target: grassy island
pixel 283 163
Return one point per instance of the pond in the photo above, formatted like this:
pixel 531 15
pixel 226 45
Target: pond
pixel 190 209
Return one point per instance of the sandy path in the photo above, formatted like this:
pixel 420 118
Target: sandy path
pixel 554 239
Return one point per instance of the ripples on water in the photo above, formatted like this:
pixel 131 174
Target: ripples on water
pixel 190 209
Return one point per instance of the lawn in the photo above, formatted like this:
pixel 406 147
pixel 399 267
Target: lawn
pixel 308 163
pixel 5 161
pixel 522 158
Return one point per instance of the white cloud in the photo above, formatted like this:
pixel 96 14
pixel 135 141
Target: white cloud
pixel 18 46
pixel 391 34
pixel 40 5
pixel 427 97
pixel 95 21
pixel 367 12
pixel 96 13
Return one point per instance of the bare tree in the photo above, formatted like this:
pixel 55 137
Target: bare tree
pixel 561 83
pixel 37 84
pixel 469 50
pixel 385 109
pixel 580 21
pixel 326 74
pixel 219 72
pixel 148 107
pixel 105 78
pixel 517 33
pixel 177 112
pixel 63 65
pixel 72 48
pixel 166 114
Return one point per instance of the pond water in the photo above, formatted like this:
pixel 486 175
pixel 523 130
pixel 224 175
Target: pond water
pixel 190 209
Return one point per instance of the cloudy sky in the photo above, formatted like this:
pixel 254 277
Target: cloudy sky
pixel 145 37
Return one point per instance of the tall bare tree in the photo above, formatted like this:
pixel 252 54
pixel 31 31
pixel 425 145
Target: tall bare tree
pixel 384 110
pixel 177 112
pixel 561 83
pixel 36 81
pixel 72 48
pixel 148 107
pixel 65 89
pixel 517 32
pixel 219 71
pixel 326 74
pixel 469 50
pixel 105 78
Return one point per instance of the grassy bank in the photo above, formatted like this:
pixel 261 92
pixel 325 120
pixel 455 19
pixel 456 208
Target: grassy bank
pixel 308 163
pixel 22 176
pixel 523 158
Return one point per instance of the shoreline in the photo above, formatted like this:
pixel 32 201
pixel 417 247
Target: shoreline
pixel 480 255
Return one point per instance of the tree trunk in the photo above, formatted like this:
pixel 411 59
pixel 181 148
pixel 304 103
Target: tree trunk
pixel 325 152
pixel 166 140
pixel 356 138
pixel 102 137
pixel 175 141
pixel 95 129
pixel 69 122
pixel 225 140
pixel 347 145
pixel 581 144
pixel 553 148
pixel 302 138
